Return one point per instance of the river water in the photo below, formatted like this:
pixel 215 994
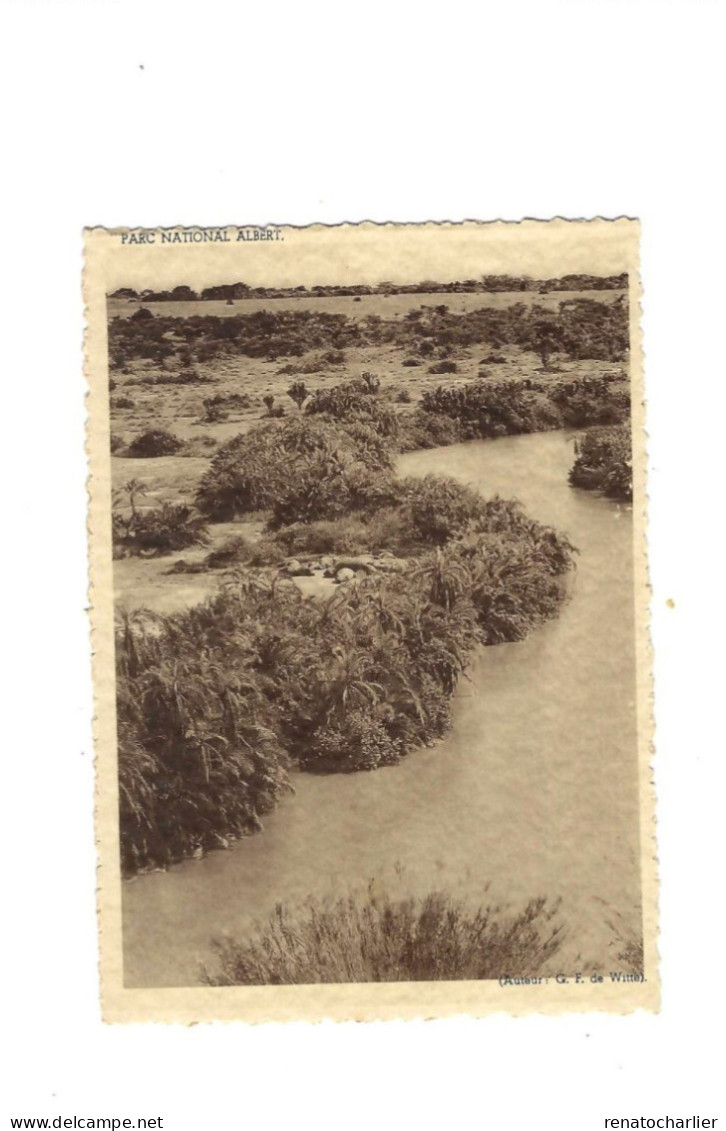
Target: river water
pixel 533 792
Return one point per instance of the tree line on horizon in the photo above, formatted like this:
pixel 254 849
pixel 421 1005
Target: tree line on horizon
pixel 487 284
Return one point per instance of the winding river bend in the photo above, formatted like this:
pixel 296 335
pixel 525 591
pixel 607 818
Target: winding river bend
pixel 533 792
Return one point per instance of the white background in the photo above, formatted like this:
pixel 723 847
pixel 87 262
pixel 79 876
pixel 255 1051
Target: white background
pixel 208 113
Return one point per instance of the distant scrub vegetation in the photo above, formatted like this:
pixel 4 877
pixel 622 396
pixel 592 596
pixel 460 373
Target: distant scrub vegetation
pixel 604 462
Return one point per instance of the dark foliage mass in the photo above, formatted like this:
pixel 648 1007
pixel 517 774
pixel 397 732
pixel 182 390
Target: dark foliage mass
pixel 376 938
pixel 604 462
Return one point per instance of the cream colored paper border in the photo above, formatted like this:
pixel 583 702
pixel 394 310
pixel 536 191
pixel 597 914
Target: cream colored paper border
pixel 348 254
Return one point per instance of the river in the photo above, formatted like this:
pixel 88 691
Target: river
pixel 533 792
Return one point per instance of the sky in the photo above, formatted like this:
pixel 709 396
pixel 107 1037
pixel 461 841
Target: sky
pixel 369 254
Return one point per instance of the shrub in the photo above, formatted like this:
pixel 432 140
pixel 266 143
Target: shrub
pixel 299 393
pixel 118 444
pixel 159 531
pixel 155 442
pixel 327 488
pixel 122 402
pixel 217 408
pixel 428 430
pixel 189 377
pixel 272 465
pixel 376 938
pixel 214 413
pixel 603 462
pixel 357 741
pixel 234 551
pixel 503 408
pixel 439 509
pixel 444 367
pixel 195 767
pixel 351 682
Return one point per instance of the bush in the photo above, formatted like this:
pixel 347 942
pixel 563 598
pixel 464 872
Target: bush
pixel 410 363
pixel 122 402
pixel 273 465
pixel 375 938
pixel 354 402
pixel 118 444
pixel 444 367
pixel 218 407
pixel 357 741
pixel 189 377
pixel 159 531
pixel 196 769
pixel 503 408
pixel 155 442
pixel 428 430
pixel 234 551
pixel 603 462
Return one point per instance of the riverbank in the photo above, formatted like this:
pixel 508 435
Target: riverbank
pixel 533 790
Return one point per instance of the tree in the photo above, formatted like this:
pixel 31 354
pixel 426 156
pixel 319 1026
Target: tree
pixel 299 393
pixel 132 490
pixel 546 339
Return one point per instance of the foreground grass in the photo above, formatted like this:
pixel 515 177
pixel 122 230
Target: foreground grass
pixel 379 939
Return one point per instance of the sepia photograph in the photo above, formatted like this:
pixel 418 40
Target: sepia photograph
pixel 363 439
pixel 369 591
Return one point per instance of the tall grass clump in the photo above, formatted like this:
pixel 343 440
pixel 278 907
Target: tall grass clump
pixel 197 763
pixel 375 938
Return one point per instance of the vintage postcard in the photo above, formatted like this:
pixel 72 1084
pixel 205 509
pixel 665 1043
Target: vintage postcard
pixel 369 608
